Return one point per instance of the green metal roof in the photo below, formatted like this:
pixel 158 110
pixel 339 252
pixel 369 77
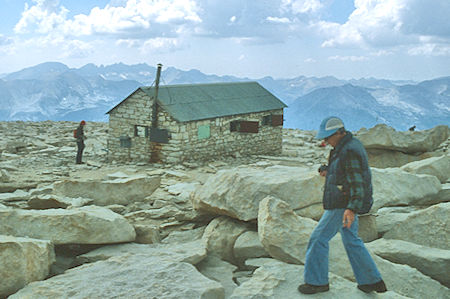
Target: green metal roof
pixel 203 101
pixel 190 102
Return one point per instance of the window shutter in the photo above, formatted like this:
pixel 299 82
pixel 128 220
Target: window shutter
pixel 249 126
pixel 277 120
pixel 159 135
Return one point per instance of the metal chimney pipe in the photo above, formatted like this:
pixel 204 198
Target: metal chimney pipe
pixel 155 104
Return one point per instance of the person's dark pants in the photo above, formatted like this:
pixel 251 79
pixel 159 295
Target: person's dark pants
pixel 80 145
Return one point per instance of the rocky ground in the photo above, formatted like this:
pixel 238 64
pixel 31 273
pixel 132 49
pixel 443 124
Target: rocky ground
pixel 233 228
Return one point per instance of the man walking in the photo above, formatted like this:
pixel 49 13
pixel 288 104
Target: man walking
pixel 348 191
pixel 80 141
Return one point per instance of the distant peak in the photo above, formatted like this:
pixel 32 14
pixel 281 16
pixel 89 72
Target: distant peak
pixel 46 70
pixel 52 63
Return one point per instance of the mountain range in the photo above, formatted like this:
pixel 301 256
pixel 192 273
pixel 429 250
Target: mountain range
pixel 53 91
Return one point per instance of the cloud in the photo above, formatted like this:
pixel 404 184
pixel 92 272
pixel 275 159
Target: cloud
pixel 168 25
pixel 161 45
pixel 76 49
pixel 340 35
pixel 139 18
pixel 237 18
pixel 379 23
pixel 302 6
pixel 278 20
pixel 430 50
pixel 257 22
pixel 348 58
pixel 262 22
pixel 255 41
pixel 43 17
pixel 428 18
pixel 153 45
pixel 7 45
pixel 5 40
pixel 43 42
pixel 51 44
pixel 381 53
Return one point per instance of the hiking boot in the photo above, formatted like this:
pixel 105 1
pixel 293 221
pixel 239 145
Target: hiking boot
pixel 378 287
pixel 312 289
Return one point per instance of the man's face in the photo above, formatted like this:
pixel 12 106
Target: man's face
pixel 333 140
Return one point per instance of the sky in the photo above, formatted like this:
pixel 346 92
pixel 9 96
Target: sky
pixel 389 39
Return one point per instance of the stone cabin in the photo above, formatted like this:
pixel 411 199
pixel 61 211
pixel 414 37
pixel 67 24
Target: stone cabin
pixel 195 122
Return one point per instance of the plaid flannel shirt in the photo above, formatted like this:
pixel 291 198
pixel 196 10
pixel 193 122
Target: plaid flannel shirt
pixel 354 178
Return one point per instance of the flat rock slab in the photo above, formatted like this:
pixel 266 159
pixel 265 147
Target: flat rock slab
pixel 85 225
pixel 127 276
pixel 13 186
pixel 118 191
pixel 388 217
pixel 275 279
pixel 189 252
pixel 395 187
pixel 184 236
pixel 437 166
pixel 51 201
pixel 383 137
pixel 388 158
pixel 429 227
pixel 237 192
pixel 409 281
pixel 433 262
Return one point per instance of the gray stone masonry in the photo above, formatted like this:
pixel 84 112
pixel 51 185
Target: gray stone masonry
pixel 185 142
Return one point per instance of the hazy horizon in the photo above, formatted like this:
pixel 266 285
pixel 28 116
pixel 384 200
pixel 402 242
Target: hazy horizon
pixel 212 74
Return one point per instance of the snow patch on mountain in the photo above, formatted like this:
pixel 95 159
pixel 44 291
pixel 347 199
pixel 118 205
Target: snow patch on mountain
pixel 391 98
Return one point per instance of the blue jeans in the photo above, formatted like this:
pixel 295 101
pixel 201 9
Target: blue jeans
pixel 316 264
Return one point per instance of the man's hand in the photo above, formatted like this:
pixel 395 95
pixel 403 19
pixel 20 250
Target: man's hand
pixel 323 170
pixel 348 218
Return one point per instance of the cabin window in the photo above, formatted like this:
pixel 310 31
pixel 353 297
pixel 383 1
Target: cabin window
pixel 125 141
pixel 204 132
pixel 141 131
pixel 244 126
pixel 234 126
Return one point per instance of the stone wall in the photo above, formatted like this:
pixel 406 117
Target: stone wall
pixel 188 141
pixel 136 110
